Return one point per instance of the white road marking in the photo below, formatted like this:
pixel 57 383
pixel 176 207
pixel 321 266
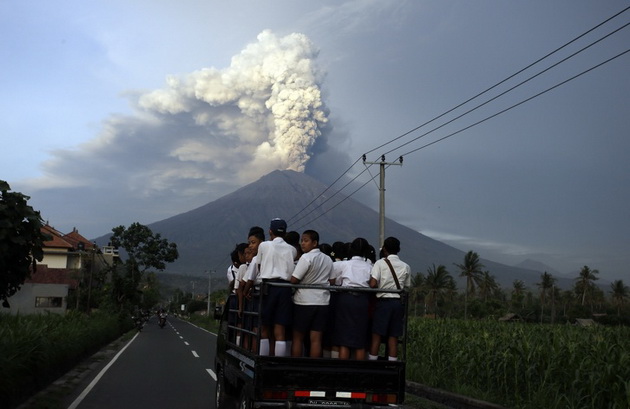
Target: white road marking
pixel 87 390
pixel 186 343
pixel 212 374
pixel 195 354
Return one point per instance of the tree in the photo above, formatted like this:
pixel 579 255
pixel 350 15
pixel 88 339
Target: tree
pixel 21 240
pixel 487 285
pixel 437 284
pixel 518 293
pixel 145 251
pixel 620 294
pixel 585 281
pixel 417 287
pixel 471 269
pixel 546 286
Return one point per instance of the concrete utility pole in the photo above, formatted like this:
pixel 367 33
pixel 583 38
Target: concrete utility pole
pixel 381 189
pixel 209 290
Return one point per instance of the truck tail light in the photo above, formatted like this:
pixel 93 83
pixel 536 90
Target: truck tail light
pixel 351 395
pixel 383 398
pixel 275 395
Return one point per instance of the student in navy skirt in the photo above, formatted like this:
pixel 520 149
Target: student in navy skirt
pixel 351 308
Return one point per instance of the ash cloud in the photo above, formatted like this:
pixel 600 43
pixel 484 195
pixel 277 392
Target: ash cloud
pixel 204 133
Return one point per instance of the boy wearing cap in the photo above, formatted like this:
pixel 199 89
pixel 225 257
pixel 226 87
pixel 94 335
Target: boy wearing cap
pixel 275 258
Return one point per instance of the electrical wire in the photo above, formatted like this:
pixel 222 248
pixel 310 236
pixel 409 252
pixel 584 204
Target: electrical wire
pixel 520 103
pixel 500 82
pixel 510 89
pixel 469 127
pixel 460 105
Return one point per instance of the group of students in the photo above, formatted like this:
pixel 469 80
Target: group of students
pixel 310 319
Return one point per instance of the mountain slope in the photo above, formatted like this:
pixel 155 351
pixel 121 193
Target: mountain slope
pixel 206 235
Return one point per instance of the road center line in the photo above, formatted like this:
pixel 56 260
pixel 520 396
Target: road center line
pixel 195 354
pixel 212 374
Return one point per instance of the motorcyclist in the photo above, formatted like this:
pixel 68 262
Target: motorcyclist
pixel 162 317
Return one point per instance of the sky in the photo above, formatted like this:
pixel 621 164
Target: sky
pixel 117 112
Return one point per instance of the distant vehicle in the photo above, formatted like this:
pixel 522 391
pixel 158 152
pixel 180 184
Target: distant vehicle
pixel 255 381
pixel 138 321
pixel 162 319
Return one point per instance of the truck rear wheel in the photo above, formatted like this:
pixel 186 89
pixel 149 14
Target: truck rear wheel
pixel 244 401
pixel 223 397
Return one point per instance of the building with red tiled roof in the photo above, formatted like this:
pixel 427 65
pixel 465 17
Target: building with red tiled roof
pixel 58 273
pixel 56 249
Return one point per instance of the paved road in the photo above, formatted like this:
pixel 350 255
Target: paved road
pixel 160 368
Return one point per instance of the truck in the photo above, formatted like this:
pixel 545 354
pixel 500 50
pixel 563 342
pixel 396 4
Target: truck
pixel 248 380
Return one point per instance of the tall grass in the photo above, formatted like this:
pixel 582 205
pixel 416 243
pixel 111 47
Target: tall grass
pixel 523 365
pixel 36 349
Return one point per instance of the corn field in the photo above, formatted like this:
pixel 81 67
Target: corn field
pixel 36 349
pixel 523 365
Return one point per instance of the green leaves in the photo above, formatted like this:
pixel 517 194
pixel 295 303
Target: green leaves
pixel 21 239
pixel 523 365
pixel 145 251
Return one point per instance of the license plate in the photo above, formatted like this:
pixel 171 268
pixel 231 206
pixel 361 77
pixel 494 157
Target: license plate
pixel 328 402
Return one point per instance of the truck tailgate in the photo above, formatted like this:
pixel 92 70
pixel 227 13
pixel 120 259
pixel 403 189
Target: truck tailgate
pixel 331 379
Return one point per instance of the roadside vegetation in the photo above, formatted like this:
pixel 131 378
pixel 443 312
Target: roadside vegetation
pixel 37 349
pixel 456 339
pixel 521 365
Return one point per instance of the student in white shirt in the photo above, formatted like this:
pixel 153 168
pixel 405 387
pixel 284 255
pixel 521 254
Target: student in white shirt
pixel 310 309
pixel 238 258
pixel 389 311
pixel 351 309
pixel 276 260
pixel 248 289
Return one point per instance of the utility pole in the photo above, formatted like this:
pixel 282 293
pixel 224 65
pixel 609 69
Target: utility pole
pixel 381 189
pixel 209 290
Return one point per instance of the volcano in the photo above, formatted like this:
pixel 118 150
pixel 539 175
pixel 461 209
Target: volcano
pixel 206 235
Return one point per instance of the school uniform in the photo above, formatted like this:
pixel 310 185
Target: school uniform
pixel 276 265
pixel 311 304
pixel 252 305
pixel 389 310
pixel 351 309
pixel 330 324
pixel 232 298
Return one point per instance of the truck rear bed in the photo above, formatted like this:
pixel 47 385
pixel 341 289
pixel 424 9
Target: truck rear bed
pixel 270 381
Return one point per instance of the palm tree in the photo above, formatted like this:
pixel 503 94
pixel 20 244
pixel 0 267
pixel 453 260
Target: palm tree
pixel 487 285
pixel 518 292
pixel 436 284
pixel 620 293
pixel 585 281
pixel 417 288
pixel 567 298
pixel 471 269
pixel 546 285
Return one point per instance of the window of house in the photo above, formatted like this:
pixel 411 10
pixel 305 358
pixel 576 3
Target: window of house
pixel 48 302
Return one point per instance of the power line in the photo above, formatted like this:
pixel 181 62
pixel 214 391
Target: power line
pixel 520 103
pixel 500 82
pixel 462 104
pixel 509 89
pixel 464 129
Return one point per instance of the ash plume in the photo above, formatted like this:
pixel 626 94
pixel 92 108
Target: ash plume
pixel 200 136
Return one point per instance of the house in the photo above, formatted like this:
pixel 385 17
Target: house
pixel 585 322
pixel 47 289
pixel 511 317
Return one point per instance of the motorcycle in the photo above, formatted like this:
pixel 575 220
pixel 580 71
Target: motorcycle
pixel 138 322
pixel 162 319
